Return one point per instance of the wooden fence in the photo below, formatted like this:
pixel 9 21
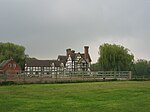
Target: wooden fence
pixel 71 76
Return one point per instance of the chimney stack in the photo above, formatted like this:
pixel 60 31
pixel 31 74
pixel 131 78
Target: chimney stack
pixel 86 52
pixel 68 52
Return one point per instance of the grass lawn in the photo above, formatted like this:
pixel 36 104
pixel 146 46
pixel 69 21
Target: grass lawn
pixel 117 96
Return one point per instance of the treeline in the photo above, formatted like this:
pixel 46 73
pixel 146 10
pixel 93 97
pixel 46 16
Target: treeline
pixel 114 57
pixel 141 67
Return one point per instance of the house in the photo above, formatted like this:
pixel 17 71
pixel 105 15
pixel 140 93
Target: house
pixel 76 61
pixel 9 67
pixel 37 67
pixel 71 62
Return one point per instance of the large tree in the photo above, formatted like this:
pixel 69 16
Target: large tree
pixel 114 58
pixel 11 50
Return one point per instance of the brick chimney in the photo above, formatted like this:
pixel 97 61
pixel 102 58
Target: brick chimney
pixel 68 52
pixel 86 52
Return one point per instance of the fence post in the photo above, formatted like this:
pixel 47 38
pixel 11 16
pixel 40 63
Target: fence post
pixel 130 75
pixel 24 77
pixel 5 76
pixel 94 75
pixel 114 75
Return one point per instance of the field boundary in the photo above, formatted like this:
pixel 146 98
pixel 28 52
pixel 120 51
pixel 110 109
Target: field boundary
pixel 67 77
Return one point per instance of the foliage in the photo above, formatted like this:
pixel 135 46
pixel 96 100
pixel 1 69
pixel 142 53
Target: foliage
pixel 142 67
pixel 114 57
pixel 81 97
pixel 10 50
pixel 96 67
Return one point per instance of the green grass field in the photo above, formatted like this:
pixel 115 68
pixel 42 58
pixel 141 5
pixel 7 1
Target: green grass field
pixel 117 96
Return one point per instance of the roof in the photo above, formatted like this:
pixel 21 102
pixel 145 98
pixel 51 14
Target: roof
pixel 43 63
pixel 33 62
pixel 73 57
pixel 62 58
pixel 56 63
pixel 4 63
pixel 83 56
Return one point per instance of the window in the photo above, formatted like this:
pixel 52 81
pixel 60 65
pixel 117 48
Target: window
pixel 14 65
pixel 39 68
pixel 62 65
pixel 45 68
pixel 53 64
pixel 26 68
pixel 10 65
pixel 33 68
pixel 36 68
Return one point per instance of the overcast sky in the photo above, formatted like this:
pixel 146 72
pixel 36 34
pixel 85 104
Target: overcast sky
pixel 48 27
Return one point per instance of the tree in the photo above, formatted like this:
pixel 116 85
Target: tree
pixel 142 67
pixel 95 67
pixel 114 58
pixel 10 50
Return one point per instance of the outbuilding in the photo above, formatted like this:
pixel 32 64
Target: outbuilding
pixel 9 68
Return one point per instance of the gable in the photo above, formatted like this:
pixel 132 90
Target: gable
pixel 82 60
pixel 9 65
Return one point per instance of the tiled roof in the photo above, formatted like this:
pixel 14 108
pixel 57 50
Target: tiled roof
pixel 33 62
pixel 83 56
pixel 73 57
pixel 62 58
pixel 4 63
pixel 56 63
pixel 43 63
